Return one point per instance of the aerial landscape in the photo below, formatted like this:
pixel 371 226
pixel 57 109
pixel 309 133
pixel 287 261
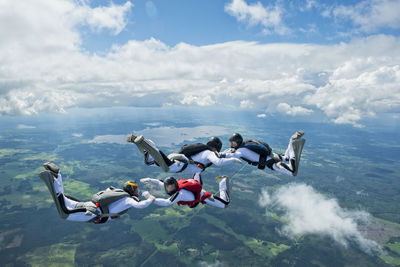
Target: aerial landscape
pixel 78 77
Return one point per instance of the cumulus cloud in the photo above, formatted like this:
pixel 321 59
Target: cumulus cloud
pixel 246 104
pixel 293 110
pixel 309 212
pixel 347 82
pixel 111 17
pixel 369 15
pixel 270 17
pixel 262 115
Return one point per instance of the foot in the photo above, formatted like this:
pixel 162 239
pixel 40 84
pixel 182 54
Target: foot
pixel 297 135
pixel 53 168
pixel 131 138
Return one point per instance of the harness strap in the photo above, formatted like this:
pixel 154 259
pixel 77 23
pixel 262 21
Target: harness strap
pixel 195 202
pixel 262 162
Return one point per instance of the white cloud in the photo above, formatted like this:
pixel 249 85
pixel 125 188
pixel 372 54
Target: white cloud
pixel 199 100
pixel 269 17
pixel 309 212
pixel 262 115
pixel 23 126
pixel 111 17
pixel 79 135
pixel 348 81
pixel 293 110
pixel 370 15
pixel 311 3
pixel 246 104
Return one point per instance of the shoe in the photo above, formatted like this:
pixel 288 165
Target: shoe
pixel 53 168
pixel 220 177
pixel 130 138
pixel 297 135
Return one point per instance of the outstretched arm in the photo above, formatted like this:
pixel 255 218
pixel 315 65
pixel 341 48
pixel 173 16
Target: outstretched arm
pixel 181 195
pixel 168 201
pixel 221 161
pixel 236 154
pixel 152 181
pixel 139 205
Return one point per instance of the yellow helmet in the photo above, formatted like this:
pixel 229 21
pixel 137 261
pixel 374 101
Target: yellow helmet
pixel 130 187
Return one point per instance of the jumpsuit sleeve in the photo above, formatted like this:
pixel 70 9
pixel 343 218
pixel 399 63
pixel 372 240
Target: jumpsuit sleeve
pixel 156 182
pixel 168 201
pixel 138 205
pixel 219 161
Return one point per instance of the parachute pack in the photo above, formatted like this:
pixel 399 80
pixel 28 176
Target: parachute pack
pixel 102 200
pixel 261 148
pixel 193 149
pixel 195 187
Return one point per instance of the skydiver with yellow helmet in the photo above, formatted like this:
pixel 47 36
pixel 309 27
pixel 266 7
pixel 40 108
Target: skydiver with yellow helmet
pixel 110 203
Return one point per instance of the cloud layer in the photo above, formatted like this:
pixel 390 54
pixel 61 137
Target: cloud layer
pixel 43 68
pixel 309 212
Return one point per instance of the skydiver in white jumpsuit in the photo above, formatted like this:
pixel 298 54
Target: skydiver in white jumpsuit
pixel 184 192
pixel 286 163
pixel 72 209
pixel 175 162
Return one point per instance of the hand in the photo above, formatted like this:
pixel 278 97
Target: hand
pixel 238 161
pixel 147 195
pixel 229 150
pixel 145 180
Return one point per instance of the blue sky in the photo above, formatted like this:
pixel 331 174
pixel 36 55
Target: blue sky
pixel 208 22
pixel 300 59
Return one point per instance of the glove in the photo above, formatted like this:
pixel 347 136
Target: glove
pixel 147 195
pixel 229 150
pixel 145 180
pixel 238 161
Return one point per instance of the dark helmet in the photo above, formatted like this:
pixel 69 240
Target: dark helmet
pixel 236 137
pixel 170 181
pixel 130 187
pixel 215 142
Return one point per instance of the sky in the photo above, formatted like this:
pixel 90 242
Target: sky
pixel 339 61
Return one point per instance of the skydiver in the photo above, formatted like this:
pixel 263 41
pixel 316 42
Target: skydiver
pixel 190 192
pixel 192 158
pixel 260 154
pixel 110 203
